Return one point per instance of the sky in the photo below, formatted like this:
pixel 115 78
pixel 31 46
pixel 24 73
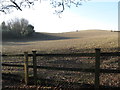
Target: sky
pixel 94 14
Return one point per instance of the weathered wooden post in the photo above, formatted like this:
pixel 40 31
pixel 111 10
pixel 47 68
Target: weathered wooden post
pixel 119 51
pixel 97 68
pixel 34 67
pixel 26 67
pixel 119 62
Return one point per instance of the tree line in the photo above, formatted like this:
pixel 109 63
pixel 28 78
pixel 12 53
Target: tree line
pixel 18 28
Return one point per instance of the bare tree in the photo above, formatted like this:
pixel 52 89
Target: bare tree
pixel 7 5
pixel 17 28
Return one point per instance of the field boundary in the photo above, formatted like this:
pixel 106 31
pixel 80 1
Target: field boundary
pixel 96 70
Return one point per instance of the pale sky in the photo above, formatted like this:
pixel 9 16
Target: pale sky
pixel 91 15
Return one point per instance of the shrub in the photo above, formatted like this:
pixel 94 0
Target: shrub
pixel 17 28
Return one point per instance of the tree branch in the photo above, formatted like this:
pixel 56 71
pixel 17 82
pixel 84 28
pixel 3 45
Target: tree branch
pixel 2 11
pixel 59 5
pixel 16 5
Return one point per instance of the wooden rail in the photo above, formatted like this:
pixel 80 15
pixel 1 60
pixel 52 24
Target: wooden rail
pixel 96 70
pixel 66 69
pixel 69 55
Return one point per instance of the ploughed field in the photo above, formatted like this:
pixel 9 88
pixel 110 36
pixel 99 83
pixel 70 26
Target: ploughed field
pixel 72 42
pixel 64 42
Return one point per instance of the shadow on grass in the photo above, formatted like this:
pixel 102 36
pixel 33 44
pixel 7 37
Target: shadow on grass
pixel 37 37
pixel 13 83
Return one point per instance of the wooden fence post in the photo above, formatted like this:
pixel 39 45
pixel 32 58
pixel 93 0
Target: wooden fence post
pixel 119 52
pixel 119 62
pixel 97 68
pixel 119 45
pixel 26 67
pixel 34 67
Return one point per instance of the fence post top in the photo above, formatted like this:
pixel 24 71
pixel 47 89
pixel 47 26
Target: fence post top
pixel 25 52
pixel 97 48
pixel 34 51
